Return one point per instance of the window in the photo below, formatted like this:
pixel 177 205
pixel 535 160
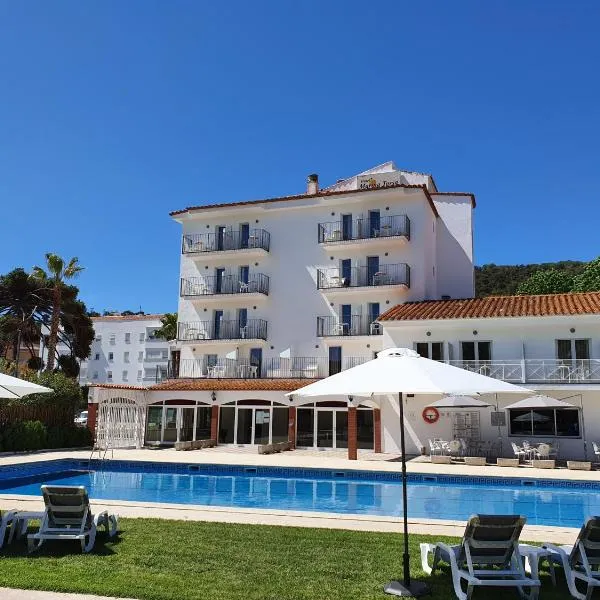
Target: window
pixel 569 350
pixel 124 375
pixel 97 356
pixel 109 375
pixel 545 422
pixel 95 376
pixel 113 339
pixel 432 350
pixel 211 360
pixel 98 338
pixel 82 374
pixel 476 351
pixel 126 357
pixel 110 356
pixel 139 375
pixel 142 336
pixel 128 338
pixel 140 356
pixel 335 359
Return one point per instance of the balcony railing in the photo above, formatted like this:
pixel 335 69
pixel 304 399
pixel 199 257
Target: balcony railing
pixel 355 325
pixel 227 240
pixel 364 229
pixel 536 370
pixel 227 284
pixel 395 274
pixel 252 329
pixel 297 367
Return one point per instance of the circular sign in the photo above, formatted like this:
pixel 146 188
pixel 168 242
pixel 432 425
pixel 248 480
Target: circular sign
pixel 430 415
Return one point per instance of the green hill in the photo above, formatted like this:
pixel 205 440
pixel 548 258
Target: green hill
pixel 503 280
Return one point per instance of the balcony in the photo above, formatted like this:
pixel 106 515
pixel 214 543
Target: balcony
pixel 355 325
pixel 383 231
pixel 296 367
pixel 535 370
pixel 363 279
pixel 201 331
pixel 247 243
pixel 225 287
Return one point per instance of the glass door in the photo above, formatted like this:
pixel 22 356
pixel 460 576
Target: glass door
pixel 324 429
pixel 262 423
pixel 170 425
pixel 374 223
pixel 244 426
pixel 186 424
pixel 220 238
pixel 341 429
pixel 154 424
pixel 219 280
pixel 346 227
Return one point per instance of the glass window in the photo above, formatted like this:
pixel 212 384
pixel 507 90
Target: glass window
pixel 139 375
pixel 110 356
pixel 226 425
pixel 95 376
pixel 124 375
pixel 113 338
pixel 126 357
pixel 468 350
pixel 109 375
pixel 432 350
pixel 582 349
pixel 305 427
pixel 128 338
pixel 97 356
pixel 280 424
pixel 563 349
pixel 142 336
pixel 366 431
pixel 203 423
pixel 545 423
pixel 140 356
pixel 476 351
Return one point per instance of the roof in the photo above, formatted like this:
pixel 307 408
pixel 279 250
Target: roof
pixel 470 194
pixel 546 305
pixel 275 385
pixel 322 194
pixel 118 386
pixel 129 317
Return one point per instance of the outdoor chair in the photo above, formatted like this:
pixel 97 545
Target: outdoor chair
pixel 68 516
pixel 488 556
pixel 517 451
pixel 596 447
pixel 581 562
pixel 435 447
pixel 8 518
pixel 454 448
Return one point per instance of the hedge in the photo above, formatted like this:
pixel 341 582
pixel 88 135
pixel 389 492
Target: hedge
pixel 34 435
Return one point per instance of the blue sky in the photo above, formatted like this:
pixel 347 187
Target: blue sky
pixel 114 113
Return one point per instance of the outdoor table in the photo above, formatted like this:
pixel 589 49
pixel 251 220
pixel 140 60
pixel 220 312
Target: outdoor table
pixel 532 556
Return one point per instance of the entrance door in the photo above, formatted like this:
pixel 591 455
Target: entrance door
pixel 219 280
pixel 346 227
pixel 170 425
pixel 374 223
pixel 217 320
pixel 186 424
pixel 341 429
pixel 220 238
pixel 325 429
pixel 244 426
pixel 262 422
pixel 244 235
pixel 256 361
pixel 372 268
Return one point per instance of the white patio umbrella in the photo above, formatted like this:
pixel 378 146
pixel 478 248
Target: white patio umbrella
pixel 11 387
pixel 399 371
pixel 460 402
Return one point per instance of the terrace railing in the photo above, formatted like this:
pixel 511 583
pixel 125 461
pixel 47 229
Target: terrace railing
pixel 355 325
pixel 394 274
pixel 257 283
pixel 227 240
pixel 363 229
pixel 252 329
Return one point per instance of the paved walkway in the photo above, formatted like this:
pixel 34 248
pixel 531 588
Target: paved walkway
pixel 11 594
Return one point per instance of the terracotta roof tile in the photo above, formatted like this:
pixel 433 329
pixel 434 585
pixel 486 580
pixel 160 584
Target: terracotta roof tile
pixel 118 386
pixel 275 385
pixel 129 317
pixel 497 306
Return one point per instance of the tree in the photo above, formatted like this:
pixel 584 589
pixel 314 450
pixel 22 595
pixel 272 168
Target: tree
pixel 54 278
pixel 168 328
pixel 547 281
pixel 589 279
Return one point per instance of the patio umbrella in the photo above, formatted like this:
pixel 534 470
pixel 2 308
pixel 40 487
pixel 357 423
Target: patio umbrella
pixel 460 402
pixel 11 387
pixel 399 371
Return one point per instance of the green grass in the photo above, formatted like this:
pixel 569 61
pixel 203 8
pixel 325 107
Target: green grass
pixel 163 560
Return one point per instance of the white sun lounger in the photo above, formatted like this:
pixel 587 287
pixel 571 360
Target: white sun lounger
pixel 7 518
pixel 581 561
pixel 68 517
pixel 488 556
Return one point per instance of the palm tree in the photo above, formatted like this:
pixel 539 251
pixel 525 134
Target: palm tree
pixel 168 328
pixel 54 277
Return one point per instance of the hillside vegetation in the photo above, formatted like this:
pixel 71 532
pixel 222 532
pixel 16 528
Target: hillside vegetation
pixel 503 280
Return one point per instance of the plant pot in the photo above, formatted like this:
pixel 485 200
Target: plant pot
pixel 475 461
pixel 507 462
pixel 579 465
pixel 441 460
pixel 544 463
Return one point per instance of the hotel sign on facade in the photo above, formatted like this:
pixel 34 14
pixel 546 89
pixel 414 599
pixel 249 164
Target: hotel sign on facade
pixel 379 180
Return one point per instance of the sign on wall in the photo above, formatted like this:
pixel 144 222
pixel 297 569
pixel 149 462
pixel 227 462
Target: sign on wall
pixel 380 180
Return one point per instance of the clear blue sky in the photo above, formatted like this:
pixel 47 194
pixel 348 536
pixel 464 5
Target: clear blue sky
pixel 114 113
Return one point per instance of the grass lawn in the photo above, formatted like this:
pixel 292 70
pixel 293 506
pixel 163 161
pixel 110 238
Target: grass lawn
pixel 179 560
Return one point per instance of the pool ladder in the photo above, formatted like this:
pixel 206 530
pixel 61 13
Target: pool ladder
pixel 101 456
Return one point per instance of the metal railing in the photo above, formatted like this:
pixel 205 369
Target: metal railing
pixel 252 329
pixel 356 325
pixel 363 229
pixel 227 240
pixel 296 367
pixel 395 274
pixel 227 284
pixel 536 370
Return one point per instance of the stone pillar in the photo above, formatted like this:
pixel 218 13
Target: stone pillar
pixel 92 418
pixel 292 427
pixel 214 423
pixel 352 434
pixel 377 429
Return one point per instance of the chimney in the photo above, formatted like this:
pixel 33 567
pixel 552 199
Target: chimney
pixel 313 184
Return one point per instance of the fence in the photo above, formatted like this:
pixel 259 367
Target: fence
pixel 49 415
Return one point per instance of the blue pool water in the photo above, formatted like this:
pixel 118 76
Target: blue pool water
pixel 543 502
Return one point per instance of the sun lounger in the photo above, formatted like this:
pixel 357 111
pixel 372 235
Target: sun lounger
pixel 7 518
pixel 488 556
pixel 581 562
pixel 68 517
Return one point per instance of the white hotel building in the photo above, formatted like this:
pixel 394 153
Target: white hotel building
pixel 275 293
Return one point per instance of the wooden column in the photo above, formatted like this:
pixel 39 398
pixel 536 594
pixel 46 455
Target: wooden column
pixel 292 427
pixel 377 429
pixel 91 420
pixel 352 434
pixel 214 423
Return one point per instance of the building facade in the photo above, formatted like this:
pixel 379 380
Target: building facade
pixel 126 350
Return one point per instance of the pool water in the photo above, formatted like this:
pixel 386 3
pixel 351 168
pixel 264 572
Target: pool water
pixel 348 492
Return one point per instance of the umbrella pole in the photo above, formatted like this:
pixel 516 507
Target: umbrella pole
pixel 406 588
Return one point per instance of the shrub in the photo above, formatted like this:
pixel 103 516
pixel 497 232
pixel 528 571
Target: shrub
pixel 34 435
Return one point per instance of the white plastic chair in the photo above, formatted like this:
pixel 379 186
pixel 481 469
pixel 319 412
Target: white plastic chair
pixel 517 451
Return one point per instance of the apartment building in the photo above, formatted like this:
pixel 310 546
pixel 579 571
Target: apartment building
pixel 126 350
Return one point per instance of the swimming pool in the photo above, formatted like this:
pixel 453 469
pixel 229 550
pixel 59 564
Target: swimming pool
pixel 543 502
